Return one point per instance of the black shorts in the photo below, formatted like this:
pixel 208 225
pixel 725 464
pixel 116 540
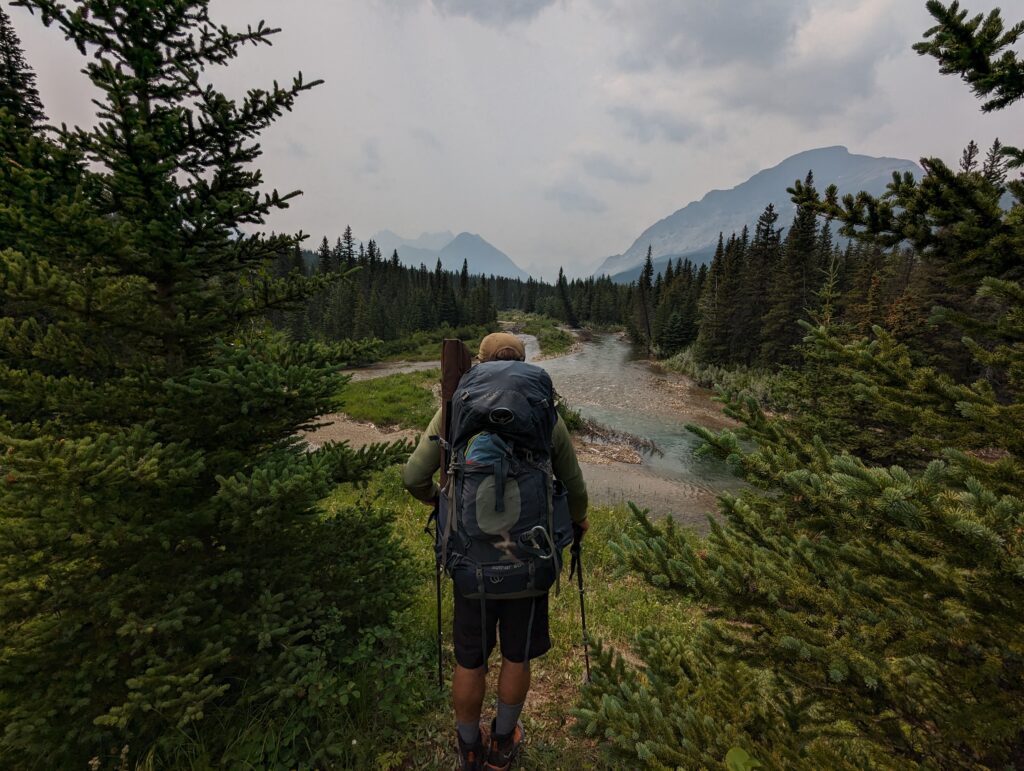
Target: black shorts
pixel 522 637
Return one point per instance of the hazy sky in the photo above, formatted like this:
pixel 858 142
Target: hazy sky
pixel 560 129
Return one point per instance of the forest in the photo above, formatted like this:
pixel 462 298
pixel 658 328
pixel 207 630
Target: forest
pixel 186 584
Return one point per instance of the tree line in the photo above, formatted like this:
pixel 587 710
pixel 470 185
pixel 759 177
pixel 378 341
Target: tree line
pixel 377 297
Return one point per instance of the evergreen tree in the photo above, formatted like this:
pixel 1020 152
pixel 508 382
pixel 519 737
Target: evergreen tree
pixel 166 576
pixel 994 168
pixel 858 615
pixel 18 94
pixel 338 255
pixel 762 260
pixel 297 264
pixel 644 300
pixel 569 315
pixel 711 345
pixel 674 336
pixel 793 284
pixel 348 247
pixel 969 157
pixel 325 257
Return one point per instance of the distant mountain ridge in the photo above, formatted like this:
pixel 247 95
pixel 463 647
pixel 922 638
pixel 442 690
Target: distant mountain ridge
pixel 693 230
pixel 481 256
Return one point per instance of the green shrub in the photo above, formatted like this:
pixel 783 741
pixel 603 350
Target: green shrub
pixel 327 659
pixel 764 386
pixel 168 583
pixel 572 418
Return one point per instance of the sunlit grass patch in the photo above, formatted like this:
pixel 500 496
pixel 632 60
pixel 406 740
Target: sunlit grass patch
pixel 405 400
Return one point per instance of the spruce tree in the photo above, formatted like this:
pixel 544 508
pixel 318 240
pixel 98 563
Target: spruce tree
pixel 847 614
pixel 325 257
pixel 719 310
pixel 762 259
pixel 969 157
pixel 674 335
pixel 168 583
pixel 644 310
pixel 18 94
pixel 568 313
pixel 348 248
pixel 793 284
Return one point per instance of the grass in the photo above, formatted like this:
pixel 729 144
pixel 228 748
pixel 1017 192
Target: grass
pixel 763 385
pixel 617 607
pixel 553 340
pixel 426 346
pixel 404 400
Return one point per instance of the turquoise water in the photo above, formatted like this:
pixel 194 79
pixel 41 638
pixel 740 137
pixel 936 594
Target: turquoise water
pixel 606 381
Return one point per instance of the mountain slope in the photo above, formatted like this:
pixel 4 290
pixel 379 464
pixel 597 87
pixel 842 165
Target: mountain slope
pixel 482 257
pixel 413 251
pixel 693 230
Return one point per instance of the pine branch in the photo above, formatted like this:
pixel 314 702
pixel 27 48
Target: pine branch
pixel 979 50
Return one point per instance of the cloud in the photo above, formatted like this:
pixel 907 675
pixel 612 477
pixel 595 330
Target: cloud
pixel 427 138
pixel 571 197
pixel 683 33
pixel 369 158
pixel 296 149
pixel 831 68
pixel 646 125
pixel 603 166
pixel 493 12
pixel 793 58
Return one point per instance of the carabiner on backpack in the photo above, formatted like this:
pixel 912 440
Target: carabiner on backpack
pixel 530 543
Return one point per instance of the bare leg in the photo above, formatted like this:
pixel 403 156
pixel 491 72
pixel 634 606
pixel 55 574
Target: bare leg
pixel 468 687
pixel 513 682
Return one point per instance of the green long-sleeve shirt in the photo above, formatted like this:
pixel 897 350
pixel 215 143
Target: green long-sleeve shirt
pixel 418 474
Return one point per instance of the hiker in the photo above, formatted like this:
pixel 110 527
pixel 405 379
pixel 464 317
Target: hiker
pixel 521 622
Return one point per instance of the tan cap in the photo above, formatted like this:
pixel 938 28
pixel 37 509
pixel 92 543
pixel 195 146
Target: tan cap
pixel 496 342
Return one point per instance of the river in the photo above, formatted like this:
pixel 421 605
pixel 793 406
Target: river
pixel 606 381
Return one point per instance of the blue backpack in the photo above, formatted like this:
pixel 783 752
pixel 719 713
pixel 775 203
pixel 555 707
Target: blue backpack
pixel 503 518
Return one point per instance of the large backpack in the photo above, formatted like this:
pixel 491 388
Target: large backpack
pixel 503 519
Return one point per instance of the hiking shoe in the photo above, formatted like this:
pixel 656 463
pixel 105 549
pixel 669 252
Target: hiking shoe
pixel 471 756
pixel 504 749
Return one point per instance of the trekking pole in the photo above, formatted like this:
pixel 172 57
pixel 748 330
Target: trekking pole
pixel 432 520
pixel 455 362
pixel 437 591
pixel 577 568
pixel 437 586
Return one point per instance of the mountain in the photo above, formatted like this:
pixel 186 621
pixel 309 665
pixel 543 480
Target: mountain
pixel 483 258
pixel 424 248
pixel 693 230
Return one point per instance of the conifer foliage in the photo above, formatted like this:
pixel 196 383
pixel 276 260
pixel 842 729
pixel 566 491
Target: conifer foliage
pixel 853 615
pixel 18 94
pixel 165 576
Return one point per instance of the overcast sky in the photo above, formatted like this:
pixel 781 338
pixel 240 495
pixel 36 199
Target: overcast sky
pixel 560 129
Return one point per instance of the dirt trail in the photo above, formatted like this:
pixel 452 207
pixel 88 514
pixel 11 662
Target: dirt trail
pixel 339 427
